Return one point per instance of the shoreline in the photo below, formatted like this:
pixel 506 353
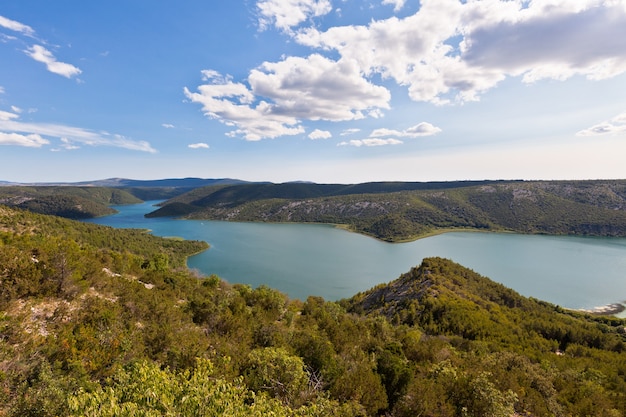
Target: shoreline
pixel 612 309
pixel 430 233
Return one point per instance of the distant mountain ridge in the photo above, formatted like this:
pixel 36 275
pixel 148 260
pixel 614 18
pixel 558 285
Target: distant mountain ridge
pixel 188 182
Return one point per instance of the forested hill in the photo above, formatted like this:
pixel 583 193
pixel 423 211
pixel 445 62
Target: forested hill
pixel 96 321
pixel 404 211
pixel 88 199
pixel 66 201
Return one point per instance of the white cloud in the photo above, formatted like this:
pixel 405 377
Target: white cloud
pixel 384 136
pixel 41 54
pixel 547 42
pixel 286 14
pixel 370 142
pixel 68 145
pixel 449 51
pixel 5 115
pixel 349 132
pixel 421 129
pixel 68 135
pixel 320 134
pixel 120 141
pixel 282 94
pixel 317 88
pixel 16 139
pixel 38 52
pixel 168 126
pixel 452 51
pixel 615 125
pixel 199 145
pixel 230 104
pixel 16 26
pixel 397 4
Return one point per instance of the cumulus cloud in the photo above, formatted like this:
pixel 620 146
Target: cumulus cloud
pixel 448 52
pixel 41 54
pixel 168 125
pixel 286 14
pixel 279 95
pixel 320 134
pixel 615 125
pixel 370 142
pixel 558 44
pixel 231 104
pixel 318 88
pixel 452 51
pixel 199 145
pixel 421 129
pixel 30 134
pixel 16 26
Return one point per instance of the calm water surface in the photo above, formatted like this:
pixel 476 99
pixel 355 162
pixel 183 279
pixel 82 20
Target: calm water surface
pixel 311 259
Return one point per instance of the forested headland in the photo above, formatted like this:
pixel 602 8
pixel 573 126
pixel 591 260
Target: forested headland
pixel 406 211
pixel 96 321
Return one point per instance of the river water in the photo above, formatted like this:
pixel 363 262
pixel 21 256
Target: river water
pixel 314 259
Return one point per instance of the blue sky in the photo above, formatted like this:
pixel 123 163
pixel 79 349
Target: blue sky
pixel 339 91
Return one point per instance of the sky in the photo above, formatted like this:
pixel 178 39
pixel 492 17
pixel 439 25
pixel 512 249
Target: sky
pixel 329 91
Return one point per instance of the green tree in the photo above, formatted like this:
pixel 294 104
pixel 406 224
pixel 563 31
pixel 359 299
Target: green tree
pixel 275 371
pixel 145 390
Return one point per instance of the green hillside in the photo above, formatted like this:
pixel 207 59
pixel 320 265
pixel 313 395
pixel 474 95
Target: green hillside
pixel 89 199
pixel 96 321
pixel 66 201
pixel 404 211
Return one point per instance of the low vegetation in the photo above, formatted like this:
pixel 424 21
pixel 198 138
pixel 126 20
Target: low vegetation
pixel 102 322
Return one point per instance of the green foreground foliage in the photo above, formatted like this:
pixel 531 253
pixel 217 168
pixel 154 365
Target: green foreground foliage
pixel 102 322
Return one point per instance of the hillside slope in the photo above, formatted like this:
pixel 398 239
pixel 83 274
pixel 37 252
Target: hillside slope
pixel 69 202
pixel 442 297
pixel 404 211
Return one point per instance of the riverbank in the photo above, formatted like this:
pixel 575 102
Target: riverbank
pixel 303 261
pixel 430 233
pixel 608 310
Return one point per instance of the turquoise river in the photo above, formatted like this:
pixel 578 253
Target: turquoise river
pixel 314 259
